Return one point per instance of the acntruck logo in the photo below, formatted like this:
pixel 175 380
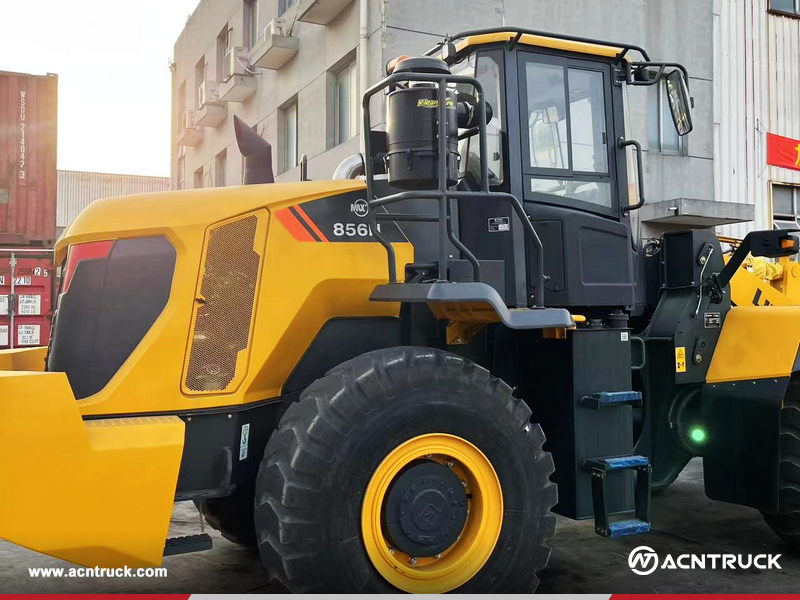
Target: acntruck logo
pixel 644 561
pixel 644 557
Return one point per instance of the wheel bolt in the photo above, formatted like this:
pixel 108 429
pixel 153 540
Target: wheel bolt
pixel 438 556
pixel 412 560
pixel 391 550
pixel 449 464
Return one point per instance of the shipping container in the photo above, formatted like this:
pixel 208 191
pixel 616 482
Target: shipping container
pixel 28 134
pixel 27 291
pixel 78 189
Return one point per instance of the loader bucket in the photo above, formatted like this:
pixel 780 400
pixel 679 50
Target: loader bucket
pixel 92 492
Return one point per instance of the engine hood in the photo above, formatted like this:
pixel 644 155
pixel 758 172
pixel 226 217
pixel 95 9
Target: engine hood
pixel 166 213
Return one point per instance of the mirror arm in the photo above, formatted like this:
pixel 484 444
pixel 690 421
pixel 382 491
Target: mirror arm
pixel 662 66
pixel 623 143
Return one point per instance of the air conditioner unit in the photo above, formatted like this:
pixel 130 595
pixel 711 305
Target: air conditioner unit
pixel 235 62
pixel 274 27
pixel 207 93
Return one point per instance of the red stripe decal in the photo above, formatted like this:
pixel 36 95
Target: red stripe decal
pixel 294 226
pixel 310 223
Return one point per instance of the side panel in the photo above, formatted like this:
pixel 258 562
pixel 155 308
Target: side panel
pixel 746 387
pixel 756 343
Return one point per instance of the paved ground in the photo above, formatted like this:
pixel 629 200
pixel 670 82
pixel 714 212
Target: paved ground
pixel 684 521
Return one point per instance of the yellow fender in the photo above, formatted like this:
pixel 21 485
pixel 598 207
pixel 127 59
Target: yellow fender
pixel 95 493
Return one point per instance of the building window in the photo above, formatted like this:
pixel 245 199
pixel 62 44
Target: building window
pixel 663 136
pixel 785 206
pixel 346 100
pixel 220 166
pixel 251 21
pixel 290 153
pixel 181 103
pixel 791 7
pixel 198 178
pixel 181 173
pixel 284 5
pixel 224 44
pixel 199 78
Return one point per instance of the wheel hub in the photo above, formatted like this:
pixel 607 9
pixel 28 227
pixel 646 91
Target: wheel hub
pixel 425 509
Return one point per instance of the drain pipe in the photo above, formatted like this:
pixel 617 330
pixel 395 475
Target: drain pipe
pixel 363 70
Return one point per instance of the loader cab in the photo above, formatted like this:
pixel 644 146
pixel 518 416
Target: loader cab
pixel 558 115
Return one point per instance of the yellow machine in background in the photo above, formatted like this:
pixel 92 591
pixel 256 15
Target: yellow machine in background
pixel 760 282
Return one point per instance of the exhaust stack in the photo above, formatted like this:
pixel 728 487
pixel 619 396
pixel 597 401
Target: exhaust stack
pixel 257 153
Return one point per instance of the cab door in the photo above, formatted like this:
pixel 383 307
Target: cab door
pixel 573 177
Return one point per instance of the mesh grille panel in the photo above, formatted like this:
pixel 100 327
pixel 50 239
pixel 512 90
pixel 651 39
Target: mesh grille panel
pixel 222 324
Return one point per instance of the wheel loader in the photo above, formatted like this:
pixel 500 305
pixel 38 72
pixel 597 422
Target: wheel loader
pixel 357 376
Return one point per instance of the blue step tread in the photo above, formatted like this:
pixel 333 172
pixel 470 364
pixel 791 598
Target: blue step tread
pixel 619 462
pixel 606 399
pixel 627 528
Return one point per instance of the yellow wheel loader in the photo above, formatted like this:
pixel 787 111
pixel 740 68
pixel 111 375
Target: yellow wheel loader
pixel 357 376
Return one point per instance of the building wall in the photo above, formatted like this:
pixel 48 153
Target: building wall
pixel 756 90
pixel 678 30
pixel 77 189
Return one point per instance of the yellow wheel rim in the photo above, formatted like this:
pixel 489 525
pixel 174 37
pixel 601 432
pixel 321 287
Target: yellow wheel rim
pixel 462 561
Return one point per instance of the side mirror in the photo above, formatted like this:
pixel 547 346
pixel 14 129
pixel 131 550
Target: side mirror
pixel 679 103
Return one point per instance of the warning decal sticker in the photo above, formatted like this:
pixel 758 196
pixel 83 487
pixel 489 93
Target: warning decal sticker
pixel 680 359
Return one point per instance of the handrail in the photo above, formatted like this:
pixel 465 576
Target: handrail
pixel 442 193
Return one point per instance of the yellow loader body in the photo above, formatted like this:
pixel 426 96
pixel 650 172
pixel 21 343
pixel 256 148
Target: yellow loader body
pixel 93 480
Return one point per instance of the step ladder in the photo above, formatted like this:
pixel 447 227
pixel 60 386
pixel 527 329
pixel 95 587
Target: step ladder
pixel 187 544
pixel 600 469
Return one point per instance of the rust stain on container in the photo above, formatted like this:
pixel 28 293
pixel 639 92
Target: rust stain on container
pixel 28 135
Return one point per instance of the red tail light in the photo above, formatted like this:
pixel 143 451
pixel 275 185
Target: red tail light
pixel 81 252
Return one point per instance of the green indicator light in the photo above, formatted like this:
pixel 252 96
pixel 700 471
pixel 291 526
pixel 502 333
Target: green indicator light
pixel 698 435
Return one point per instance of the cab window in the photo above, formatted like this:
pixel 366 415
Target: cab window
pixel 564 132
pixel 486 67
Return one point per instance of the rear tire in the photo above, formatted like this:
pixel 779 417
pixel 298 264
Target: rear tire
pixel 318 464
pixel 786 524
pixel 232 516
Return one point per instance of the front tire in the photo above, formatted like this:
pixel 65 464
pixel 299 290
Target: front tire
pixel 319 509
pixel 786 524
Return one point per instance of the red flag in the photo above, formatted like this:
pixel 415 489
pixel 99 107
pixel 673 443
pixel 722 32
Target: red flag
pixel 783 152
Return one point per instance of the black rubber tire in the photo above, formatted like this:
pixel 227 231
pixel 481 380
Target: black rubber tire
pixel 787 523
pixel 232 516
pixel 318 463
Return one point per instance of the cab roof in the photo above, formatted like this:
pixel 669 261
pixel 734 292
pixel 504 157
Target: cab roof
pixel 463 42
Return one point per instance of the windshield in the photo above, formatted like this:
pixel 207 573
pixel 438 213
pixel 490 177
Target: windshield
pixel 485 66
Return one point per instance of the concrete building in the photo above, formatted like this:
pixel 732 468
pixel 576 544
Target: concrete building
pixel 78 189
pixel 295 70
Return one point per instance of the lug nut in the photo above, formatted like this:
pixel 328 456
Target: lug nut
pixel 437 556
pixel 412 560
pixel 391 550
pixel 449 464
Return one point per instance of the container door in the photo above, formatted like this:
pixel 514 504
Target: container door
pixel 32 303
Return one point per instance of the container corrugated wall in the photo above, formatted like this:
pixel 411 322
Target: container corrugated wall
pixel 756 90
pixel 78 189
pixel 28 134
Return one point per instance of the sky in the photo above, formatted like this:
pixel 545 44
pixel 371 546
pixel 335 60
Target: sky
pixel 114 84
